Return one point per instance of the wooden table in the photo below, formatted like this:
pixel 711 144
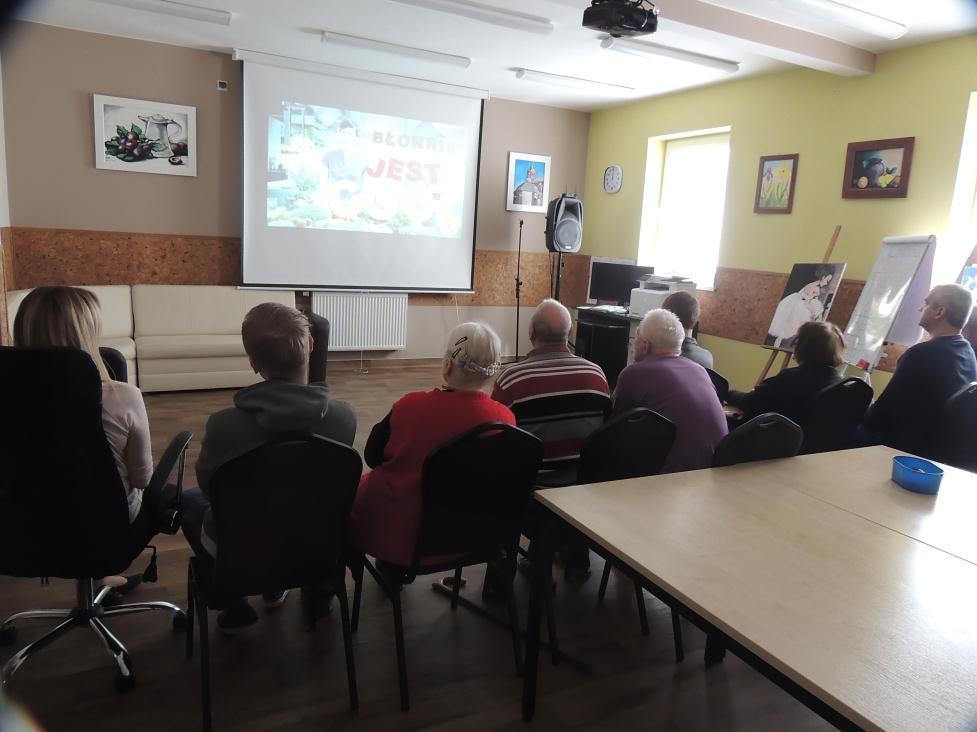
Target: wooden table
pixel 866 624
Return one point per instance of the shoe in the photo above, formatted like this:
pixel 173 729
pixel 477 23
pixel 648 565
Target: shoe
pixel 576 572
pixel 317 602
pixel 236 619
pixel 121 586
pixel 275 599
pixel 526 570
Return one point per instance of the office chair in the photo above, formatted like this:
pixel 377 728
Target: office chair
pixel 836 412
pixel 63 508
pixel 115 363
pixel 319 328
pixel 720 383
pixel 282 517
pixel 468 517
pixel 955 442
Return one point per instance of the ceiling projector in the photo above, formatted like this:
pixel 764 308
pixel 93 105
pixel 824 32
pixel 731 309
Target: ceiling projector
pixel 621 17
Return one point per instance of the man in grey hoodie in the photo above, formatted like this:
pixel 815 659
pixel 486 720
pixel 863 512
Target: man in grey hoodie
pixel 277 341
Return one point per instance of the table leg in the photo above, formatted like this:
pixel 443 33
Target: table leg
pixel 541 563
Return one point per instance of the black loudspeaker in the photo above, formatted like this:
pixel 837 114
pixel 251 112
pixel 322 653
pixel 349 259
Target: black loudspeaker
pixel 564 224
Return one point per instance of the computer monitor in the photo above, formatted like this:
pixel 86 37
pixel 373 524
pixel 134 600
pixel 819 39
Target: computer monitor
pixel 613 279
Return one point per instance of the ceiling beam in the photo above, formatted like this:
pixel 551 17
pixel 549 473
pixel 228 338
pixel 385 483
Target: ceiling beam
pixel 767 38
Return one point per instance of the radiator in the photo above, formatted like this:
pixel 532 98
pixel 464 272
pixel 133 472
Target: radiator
pixel 367 321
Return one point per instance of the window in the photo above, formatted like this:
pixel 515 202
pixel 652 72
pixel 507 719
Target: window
pixel 685 194
pixel 960 239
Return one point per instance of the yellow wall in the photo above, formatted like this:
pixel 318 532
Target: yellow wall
pixel 920 92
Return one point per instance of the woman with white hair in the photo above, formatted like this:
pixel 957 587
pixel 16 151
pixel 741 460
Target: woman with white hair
pixel 387 512
pixel 677 388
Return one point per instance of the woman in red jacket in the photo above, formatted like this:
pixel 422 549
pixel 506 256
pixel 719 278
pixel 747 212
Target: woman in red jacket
pixel 387 512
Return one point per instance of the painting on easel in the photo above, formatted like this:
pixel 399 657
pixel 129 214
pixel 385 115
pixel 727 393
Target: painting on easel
pixel 807 297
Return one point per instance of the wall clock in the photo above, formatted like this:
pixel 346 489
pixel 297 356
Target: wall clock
pixel 613 178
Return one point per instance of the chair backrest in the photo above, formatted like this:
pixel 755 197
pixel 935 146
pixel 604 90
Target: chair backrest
pixel 720 383
pixel 956 439
pixel 63 506
pixel 632 445
pixel 563 421
pixel 836 412
pixel 282 514
pixel 765 437
pixel 475 489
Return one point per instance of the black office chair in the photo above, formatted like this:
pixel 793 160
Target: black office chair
pixel 282 516
pixel 319 327
pixel 63 508
pixel 955 442
pixel 720 383
pixel 115 363
pixel 836 412
pixel 765 437
pixel 768 436
pixel 475 491
pixel 550 415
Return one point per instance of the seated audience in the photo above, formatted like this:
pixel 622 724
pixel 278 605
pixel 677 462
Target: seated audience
pixel 72 317
pixel 686 308
pixel 387 511
pixel 907 413
pixel 564 397
pixel 675 387
pixel 819 348
pixel 557 396
pixel 970 330
pixel 277 341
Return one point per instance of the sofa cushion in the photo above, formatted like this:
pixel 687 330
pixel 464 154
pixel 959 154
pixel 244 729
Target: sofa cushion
pixel 189 346
pixel 116 306
pixel 196 309
pixel 125 346
pixel 157 366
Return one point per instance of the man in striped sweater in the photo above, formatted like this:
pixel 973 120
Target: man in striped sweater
pixel 557 396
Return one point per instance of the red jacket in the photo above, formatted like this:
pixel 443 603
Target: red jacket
pixel 387 511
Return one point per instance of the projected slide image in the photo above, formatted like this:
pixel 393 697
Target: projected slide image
pixel 344 170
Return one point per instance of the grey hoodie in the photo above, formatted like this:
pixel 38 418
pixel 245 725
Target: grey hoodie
pixel 268 408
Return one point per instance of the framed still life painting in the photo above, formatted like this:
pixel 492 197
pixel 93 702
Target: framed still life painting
pixel 878 168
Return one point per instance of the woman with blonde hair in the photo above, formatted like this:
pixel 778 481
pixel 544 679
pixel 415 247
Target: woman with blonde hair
pixel 387 512
pixel 71 317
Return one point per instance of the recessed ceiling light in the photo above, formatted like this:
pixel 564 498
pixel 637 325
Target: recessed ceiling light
pixel 853 17
pixel 179 10
pixel 640 48
pixel 395 49
pixel 486 14
pixel 573 82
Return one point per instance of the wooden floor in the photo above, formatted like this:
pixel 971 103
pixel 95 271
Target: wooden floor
pixel 283 677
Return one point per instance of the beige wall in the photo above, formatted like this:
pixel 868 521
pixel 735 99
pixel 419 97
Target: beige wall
pixel 49 76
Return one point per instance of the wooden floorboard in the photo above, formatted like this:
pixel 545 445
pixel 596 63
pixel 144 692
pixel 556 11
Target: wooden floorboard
pixel 282 677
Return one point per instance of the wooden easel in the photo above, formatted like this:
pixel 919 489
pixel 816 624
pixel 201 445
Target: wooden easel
pixel 788 353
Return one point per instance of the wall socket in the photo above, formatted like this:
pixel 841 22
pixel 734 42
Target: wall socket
pixel 221 85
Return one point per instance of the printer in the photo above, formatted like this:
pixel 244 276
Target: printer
pixel 652 291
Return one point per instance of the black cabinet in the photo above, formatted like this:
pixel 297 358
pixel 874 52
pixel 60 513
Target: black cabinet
pixel 603 339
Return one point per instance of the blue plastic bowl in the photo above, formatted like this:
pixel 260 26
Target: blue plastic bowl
pixel 914 474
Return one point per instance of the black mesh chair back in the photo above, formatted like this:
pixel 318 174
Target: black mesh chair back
pixel 956 439
pixel 62 502
pixel 766 437
pixel 115 363
pixel 282 515
pixel 475 490
pixel 632 445
pixel 836 412
pixel 548 417
pixel 720 383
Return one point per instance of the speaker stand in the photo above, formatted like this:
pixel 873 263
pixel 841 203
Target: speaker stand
pixel 518 285
pixel 559 274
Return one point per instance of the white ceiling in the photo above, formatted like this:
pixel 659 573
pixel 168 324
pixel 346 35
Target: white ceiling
pixel 762 35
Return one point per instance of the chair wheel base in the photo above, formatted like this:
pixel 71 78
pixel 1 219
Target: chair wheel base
pixel 8 635
pixel 124 684
pixel 180 622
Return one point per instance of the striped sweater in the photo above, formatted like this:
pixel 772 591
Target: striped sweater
pixel 559 397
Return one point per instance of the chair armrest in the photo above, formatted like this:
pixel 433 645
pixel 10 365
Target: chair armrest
pixel 174 456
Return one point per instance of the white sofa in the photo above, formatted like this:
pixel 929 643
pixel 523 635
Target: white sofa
pixel 189 336
pixel 116 304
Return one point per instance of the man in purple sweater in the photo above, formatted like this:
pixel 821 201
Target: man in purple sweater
pixel 677 388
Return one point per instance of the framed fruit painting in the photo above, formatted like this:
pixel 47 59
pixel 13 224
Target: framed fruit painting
pixel 145 137
pixel 878 168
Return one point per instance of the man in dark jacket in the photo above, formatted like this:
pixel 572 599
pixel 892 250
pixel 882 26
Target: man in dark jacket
pixel 277 341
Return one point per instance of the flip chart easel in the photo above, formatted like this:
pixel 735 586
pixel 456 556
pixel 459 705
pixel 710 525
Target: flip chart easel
pixel 887 308
pixel 788 353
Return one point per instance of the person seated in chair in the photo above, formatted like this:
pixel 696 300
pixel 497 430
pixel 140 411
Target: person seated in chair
pixel 564 397
pixel 387 512
pixel 686 308
pixel 277 341
pixel 907 414
pixel 72 317
pixel 677 388
pixel 819 348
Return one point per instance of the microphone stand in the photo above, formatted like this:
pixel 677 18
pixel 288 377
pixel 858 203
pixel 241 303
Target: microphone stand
pixel 518 285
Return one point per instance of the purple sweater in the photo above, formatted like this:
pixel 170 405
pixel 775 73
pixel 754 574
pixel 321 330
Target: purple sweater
pixel 680 390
